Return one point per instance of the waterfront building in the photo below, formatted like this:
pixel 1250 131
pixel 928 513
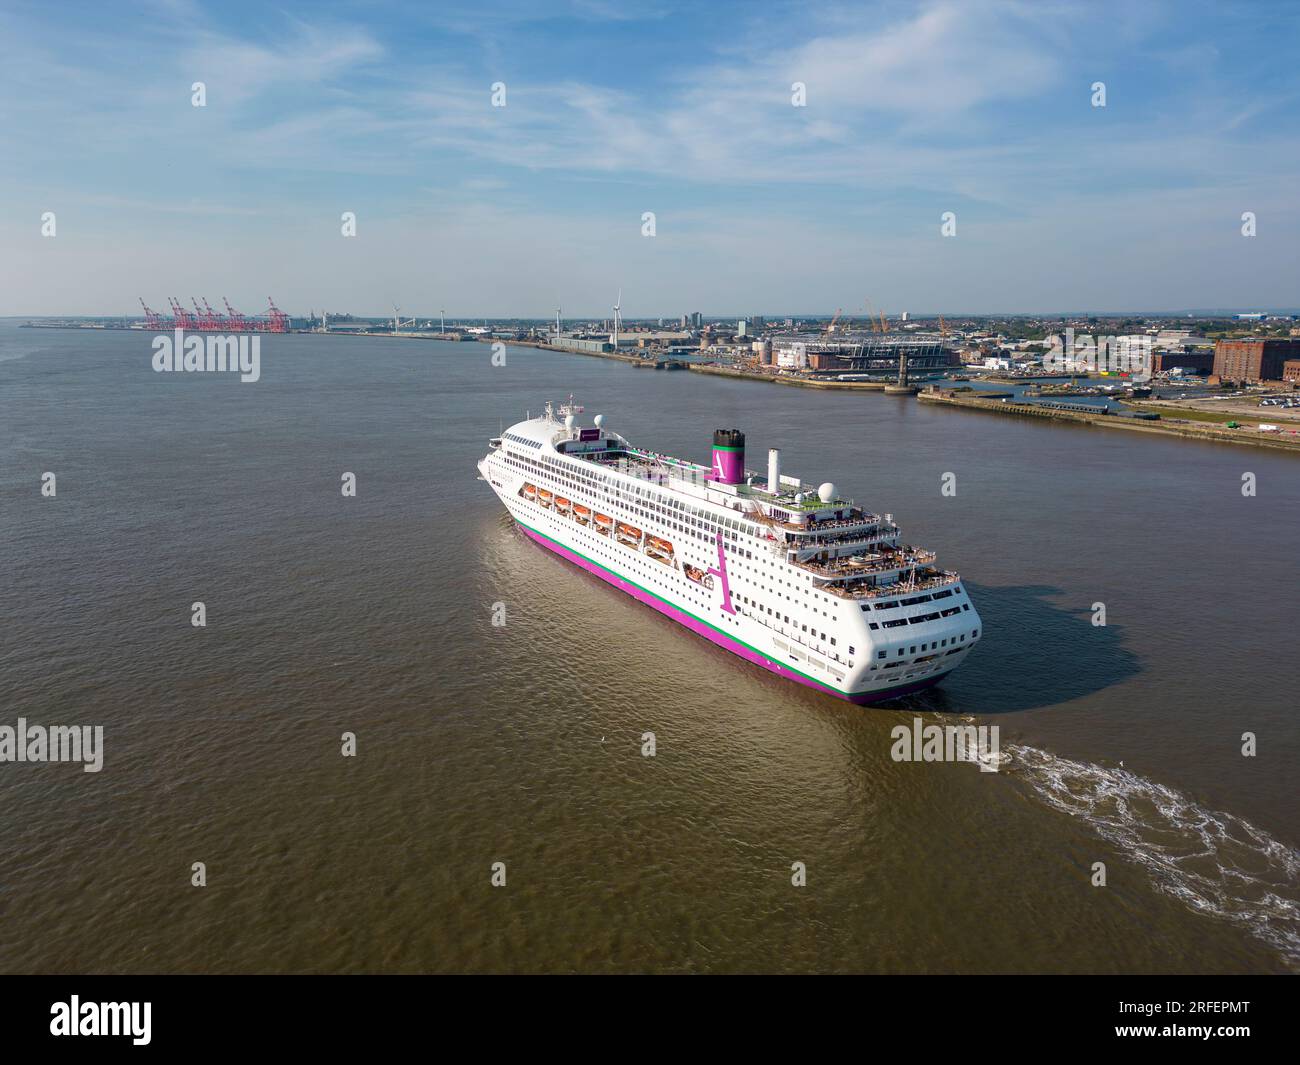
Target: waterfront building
pixel 864 354
pixel 1253 361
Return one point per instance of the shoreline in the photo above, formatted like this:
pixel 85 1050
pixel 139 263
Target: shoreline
pixel 1186 430
pixel 790 382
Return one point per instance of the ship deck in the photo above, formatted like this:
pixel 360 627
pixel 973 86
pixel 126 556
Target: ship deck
pixel 866 590
pixel 854 565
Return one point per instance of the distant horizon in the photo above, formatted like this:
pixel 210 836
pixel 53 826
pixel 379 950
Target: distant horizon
pixel 769 318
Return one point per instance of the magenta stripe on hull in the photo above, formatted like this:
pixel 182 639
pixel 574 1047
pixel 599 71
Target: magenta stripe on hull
pixel 720 638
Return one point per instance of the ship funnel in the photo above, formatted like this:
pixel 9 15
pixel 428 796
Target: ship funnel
pixel 728 456
pixel 774 470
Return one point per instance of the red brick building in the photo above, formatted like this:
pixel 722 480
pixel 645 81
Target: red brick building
pixel 1252 361
pixel 1291 371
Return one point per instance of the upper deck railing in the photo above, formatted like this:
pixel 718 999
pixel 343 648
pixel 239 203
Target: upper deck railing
pixel 646 466
pixel 665 469
pixel 867 589
pixel 858 565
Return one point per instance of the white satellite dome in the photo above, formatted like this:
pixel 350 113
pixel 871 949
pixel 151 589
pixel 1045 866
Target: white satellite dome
pixel 599 420
pixel 568 422
pixel 826 492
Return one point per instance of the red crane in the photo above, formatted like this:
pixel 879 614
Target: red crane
pixel 152 319
pixel 214 317
pixel 205 323
pixel 279 322
pixel 237 322
pixel 183 319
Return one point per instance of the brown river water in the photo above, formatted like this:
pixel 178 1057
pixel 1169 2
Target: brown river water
pixel 521 744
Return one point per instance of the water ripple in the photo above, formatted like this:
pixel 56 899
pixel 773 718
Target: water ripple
pixel 1216 863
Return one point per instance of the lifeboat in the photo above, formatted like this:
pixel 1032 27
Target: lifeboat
pixel 604 523
pixel 628 534
pixel 562 505
pixel 544 496
pixel 698 576
pixel 530 491
pixel 658 549
pixel 583 514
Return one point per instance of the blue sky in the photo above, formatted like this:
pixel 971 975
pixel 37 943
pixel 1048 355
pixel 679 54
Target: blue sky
pixel 980 108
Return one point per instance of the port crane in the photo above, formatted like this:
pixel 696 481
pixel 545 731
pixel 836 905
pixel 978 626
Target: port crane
pixel 206 324
pixel 279 321
pixel 152 319
pixel 180 315
pixel 206 319
pixel 237 323
pixel 214 319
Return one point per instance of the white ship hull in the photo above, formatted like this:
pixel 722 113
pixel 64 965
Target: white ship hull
pixel 824 641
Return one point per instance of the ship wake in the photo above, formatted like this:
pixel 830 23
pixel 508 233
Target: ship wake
pixel 1215 863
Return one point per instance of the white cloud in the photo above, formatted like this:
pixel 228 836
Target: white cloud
pixel 909 114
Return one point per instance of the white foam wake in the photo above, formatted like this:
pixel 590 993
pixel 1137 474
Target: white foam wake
pixel 1216 863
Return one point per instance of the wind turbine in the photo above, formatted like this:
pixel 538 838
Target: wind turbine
pixel 617 305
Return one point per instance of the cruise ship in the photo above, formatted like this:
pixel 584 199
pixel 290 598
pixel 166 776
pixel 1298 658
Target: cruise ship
pixel 793 578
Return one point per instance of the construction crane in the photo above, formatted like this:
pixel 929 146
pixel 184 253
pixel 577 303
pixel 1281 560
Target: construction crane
pixel 831 328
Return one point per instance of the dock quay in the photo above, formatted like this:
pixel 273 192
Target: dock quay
pixel 1166 426
pixel 1065 404
pixel 785 379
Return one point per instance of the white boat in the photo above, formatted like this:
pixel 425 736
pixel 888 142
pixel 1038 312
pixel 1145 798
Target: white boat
pixel 792 577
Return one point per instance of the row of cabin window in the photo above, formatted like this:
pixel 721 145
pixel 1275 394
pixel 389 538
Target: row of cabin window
pixel 898 623
pixel 975 635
